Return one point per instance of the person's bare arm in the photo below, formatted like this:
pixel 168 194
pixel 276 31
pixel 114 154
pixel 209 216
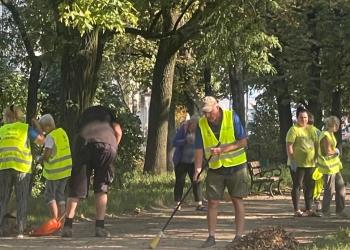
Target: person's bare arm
pixel 198 160
pixel 117 132
pixel 47 153
pixel 290 151
pixel 40 139
pixel 36 126
pixel 242 143
pixel 326 148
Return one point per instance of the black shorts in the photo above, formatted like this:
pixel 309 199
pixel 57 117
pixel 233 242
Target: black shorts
pixel 94 157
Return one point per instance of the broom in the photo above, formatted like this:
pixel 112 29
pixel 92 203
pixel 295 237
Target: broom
pixel 154 243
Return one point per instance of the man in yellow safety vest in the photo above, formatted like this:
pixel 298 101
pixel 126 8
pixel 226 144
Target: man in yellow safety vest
pixel 227 165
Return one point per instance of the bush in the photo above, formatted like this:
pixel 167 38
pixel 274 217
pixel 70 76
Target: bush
pixel 264 143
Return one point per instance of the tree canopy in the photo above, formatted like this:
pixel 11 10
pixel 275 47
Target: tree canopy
pixel 62 56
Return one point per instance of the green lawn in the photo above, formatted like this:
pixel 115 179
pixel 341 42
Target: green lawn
pixel 338 241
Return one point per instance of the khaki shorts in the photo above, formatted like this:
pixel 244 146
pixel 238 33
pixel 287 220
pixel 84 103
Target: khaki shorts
pixel 237 184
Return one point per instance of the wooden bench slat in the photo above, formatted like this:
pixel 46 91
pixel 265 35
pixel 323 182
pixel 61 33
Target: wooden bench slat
pixel 257 175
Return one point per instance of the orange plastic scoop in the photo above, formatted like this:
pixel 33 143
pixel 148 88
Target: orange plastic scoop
pixel 48 228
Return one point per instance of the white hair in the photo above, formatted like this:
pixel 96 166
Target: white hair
pixel 331 121
pixel 47 120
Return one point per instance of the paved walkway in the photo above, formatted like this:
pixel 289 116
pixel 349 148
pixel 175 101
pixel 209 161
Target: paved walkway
pixel 187 230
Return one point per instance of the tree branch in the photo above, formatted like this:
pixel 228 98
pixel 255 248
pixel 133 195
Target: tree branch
pixel 21 27
pixel 147 34
pixel 182 14
pixel 154 21
pixel 194 26
pixel 197 23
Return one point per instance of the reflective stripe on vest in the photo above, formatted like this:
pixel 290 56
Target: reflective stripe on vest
pixel 328 164
pixel 227 136
pixel 59 165
pixel 14 149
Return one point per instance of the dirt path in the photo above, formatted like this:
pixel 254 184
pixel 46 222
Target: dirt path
pixel 188 228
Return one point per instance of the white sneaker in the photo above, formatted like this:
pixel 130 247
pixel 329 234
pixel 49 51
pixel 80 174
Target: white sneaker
pixel 20 236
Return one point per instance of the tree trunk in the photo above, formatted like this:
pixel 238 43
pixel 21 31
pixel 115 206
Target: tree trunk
pixel 81 60
pixel 171 136
pixel 314 71
pixel 163 74
pixel 33 85
pixel 237 91
pixel 336 110
pixel 314 90
pixel 284 113
pixel 32 98
pixel 208 90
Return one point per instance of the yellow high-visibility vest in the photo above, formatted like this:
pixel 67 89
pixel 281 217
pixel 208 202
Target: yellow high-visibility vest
pixel 328 164
pixel 14 148
pixel 59 165
pixel 227 136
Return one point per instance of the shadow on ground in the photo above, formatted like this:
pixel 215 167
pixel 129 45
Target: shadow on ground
pixel 188 229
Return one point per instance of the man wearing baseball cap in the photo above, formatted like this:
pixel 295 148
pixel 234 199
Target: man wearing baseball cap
pixel 227 165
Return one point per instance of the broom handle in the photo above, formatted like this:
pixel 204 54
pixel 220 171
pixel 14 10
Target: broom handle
pixel 61 218
pixel 185 195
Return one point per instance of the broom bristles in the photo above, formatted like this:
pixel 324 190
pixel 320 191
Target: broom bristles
pixel 154 243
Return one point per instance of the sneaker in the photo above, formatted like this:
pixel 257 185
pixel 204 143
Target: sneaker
pixel 310 213
pixel 298 213
pixel 20 236
pixel 210 241
pixel 237 238
pixel 67 232
pixel 177 204
pixel 201 208
pixel 326 214
pixel 102 232
pixel 179 208
pixel 342 215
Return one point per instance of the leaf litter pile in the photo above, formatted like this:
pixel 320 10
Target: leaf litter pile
pixel 270 238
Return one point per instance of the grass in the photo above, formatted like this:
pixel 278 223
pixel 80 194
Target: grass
pixel 337 241
pixel 136 191
pixel 133 190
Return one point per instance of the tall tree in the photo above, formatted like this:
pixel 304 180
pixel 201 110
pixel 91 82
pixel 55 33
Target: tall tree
pixel 35 69
pixel 179 23
pixel 84 27
pixel 236 84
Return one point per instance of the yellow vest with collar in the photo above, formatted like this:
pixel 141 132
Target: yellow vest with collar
pixel 328 164
pixel 59 165
pixel 14 147
pixel 227 136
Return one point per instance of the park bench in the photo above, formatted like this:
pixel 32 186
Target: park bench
pixel 268 176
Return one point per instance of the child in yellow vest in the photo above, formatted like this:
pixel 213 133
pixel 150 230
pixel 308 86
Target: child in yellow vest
pixel 57 162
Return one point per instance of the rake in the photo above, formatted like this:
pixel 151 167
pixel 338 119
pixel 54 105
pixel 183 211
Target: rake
pixel 154 243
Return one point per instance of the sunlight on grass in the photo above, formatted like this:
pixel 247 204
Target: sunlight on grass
pixel 136 190
pixel 338 241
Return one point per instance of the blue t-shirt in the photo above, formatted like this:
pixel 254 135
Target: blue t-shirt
pixel 238 127
pixel 32 134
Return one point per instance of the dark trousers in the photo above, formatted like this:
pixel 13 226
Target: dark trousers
pixel 302 179
pixel 181 170
pixel 10 178
pixel 333 183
